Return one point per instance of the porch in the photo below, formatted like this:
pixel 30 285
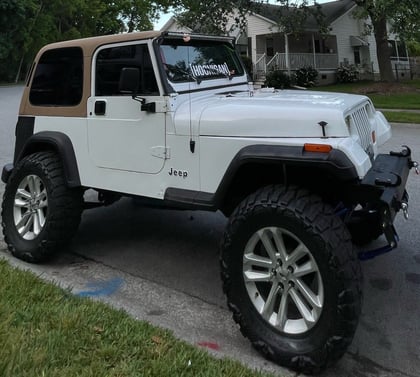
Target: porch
pixel 294 61
pixel 279 51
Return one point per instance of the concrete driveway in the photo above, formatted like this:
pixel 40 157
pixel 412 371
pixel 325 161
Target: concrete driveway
pixel 162 266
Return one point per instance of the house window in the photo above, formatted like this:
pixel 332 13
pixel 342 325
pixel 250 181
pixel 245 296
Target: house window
pixel 356 53
pixel 58 79
pixel 111 61
pixel 398 49
pixel 269 46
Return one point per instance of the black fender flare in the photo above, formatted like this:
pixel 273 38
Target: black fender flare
pixel 62 145
pixel 335 162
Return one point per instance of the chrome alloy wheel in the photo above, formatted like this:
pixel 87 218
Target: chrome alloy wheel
pixel 30 207
pixel 283 280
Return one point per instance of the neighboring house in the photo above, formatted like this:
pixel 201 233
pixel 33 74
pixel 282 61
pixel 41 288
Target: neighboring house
pixel 270 48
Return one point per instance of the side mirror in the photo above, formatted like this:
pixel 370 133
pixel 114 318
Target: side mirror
pixel 129 81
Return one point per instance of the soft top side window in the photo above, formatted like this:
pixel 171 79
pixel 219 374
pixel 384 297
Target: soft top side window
pixel 58 78
pixel 111 61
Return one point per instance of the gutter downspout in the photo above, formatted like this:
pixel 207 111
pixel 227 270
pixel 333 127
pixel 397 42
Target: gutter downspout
pixel 313 49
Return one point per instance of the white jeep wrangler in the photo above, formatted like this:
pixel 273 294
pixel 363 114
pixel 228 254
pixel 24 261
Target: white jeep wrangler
pixel 172 119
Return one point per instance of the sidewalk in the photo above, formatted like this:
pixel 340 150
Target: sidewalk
pixel 414 111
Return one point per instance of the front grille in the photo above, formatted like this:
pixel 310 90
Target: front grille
pixel 360 121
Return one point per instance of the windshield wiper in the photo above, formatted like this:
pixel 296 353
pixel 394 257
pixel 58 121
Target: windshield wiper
pixel 173 69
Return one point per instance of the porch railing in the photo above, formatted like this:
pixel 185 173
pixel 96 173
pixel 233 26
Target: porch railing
pixel 260 66
pixel 299 60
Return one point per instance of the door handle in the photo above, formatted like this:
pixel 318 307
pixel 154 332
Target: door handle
pixel 100 107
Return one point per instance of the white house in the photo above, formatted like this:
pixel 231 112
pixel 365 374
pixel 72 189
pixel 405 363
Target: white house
pixel 347 43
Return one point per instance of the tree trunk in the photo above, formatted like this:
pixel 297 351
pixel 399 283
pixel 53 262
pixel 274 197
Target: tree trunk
pixel 382 49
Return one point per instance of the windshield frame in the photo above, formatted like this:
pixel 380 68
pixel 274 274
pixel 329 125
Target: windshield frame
pixel 223 78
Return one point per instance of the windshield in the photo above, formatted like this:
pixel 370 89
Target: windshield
pixel 197 60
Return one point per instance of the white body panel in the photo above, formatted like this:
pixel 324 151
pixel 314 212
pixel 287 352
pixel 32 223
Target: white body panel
pixel 125 138
pixel 117 154
pixel 195 133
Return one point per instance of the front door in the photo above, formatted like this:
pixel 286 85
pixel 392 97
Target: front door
pixel 121 135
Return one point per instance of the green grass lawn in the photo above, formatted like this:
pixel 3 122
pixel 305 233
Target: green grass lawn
pixel 398 95
pixel 402 117
pixel 396 101
pixel 46 331
pixel 401 96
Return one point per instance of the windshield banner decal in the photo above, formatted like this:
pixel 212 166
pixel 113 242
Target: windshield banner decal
pixel 200 70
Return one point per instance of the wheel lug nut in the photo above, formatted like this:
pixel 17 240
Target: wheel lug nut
pixel 290 269
pixel 291 284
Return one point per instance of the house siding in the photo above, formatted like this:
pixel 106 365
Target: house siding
pixel 258 26
pixel 173 26
pixel 345 26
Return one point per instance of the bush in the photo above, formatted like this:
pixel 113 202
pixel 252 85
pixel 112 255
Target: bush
pixel 278 80
pixel 347 74
pixel 306 76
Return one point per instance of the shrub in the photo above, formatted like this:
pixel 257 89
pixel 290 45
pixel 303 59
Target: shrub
pixel 306 76
pixel 347 74
pixel 278 80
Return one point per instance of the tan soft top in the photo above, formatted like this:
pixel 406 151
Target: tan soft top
pixel 88 46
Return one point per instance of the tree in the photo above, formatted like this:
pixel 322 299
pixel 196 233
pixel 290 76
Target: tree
pixel 215 16
pixel 15 34
pixel 211 16
pixel 27 25
pixel 401 15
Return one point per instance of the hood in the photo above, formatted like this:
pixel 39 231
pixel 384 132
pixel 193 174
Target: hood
pixel 273 113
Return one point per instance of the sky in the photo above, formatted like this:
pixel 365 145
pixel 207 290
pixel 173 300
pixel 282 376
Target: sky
pixel 164 17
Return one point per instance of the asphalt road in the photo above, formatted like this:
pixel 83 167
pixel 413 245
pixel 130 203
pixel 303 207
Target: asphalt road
pixel 162 266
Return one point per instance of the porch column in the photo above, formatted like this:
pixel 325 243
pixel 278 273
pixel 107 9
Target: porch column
pixel 396 50
pixel 313 49
pixel 254 49
pixel 286 50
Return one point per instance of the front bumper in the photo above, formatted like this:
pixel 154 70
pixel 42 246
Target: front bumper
pixel 384 187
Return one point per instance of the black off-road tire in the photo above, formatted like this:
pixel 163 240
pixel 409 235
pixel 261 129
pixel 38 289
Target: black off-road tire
pixel 295 211
pixel 62 210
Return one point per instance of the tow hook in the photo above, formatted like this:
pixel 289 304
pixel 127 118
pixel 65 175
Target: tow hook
pixel 404 207
pixel 415 165
pixel 404 204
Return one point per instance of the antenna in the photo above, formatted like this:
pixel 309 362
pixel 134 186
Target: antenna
pixel 186 38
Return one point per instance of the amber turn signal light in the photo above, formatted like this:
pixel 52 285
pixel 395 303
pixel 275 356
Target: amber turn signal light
pixel 319 148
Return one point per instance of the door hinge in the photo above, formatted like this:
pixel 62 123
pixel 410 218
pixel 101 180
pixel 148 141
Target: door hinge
pixel 161 152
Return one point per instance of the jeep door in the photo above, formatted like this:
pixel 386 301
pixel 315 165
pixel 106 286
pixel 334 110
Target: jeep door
pixel 121 135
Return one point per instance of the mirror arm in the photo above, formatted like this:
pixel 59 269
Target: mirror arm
pixel 139 99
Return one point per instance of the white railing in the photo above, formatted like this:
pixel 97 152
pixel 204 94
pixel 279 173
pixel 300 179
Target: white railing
pixel 260 66
pixel 265 64
pixel 278 60
pixel 299 60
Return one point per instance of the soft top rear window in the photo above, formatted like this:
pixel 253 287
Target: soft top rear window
pixel 58 79
pixel 196 60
